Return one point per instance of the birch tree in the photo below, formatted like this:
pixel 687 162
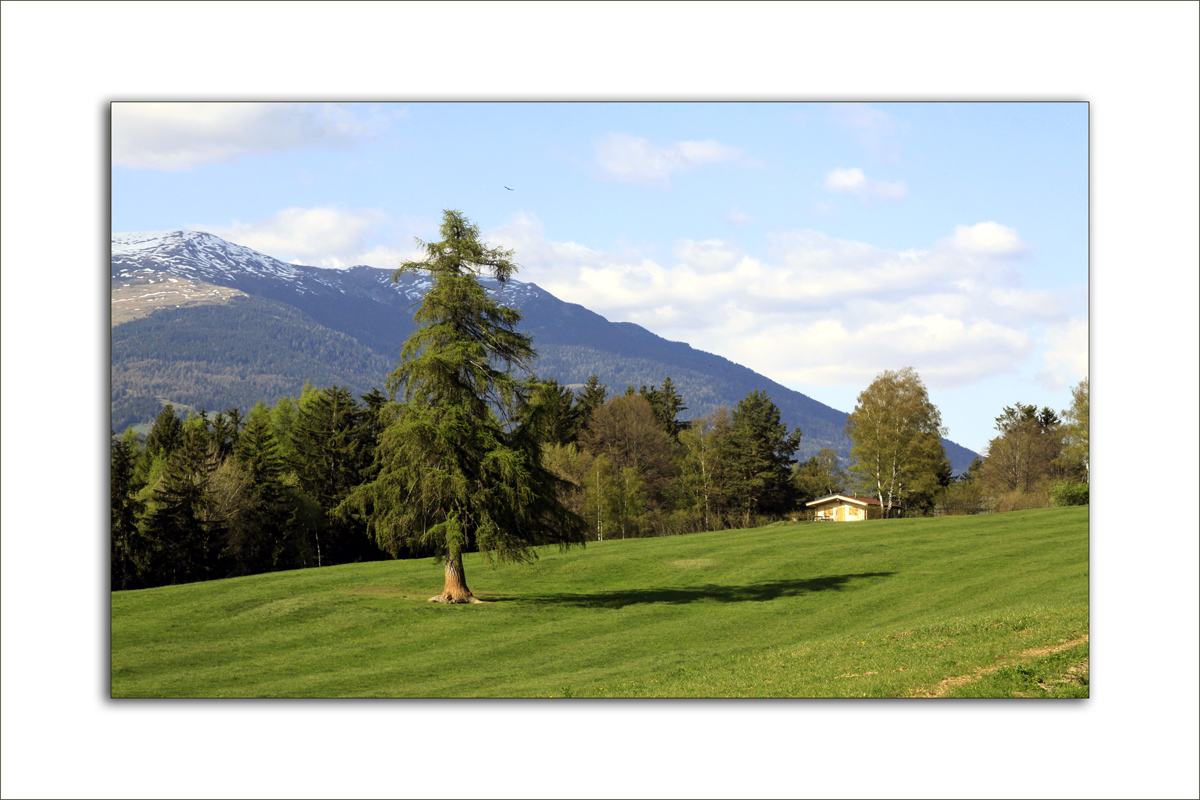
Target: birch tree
pixel 895 433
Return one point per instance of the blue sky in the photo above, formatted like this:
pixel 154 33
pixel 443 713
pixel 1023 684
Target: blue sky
pixel 816 243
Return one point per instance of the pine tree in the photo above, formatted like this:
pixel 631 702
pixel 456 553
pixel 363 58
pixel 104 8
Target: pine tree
pixel 456 471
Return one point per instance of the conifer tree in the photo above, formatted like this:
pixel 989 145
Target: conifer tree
pixel 559 420
pixel 668 405
pixel 758 455
pixel 589 398
pixel 456 471
pixel 330 458
pixel 165 432
pixel 183 533
pixel 126 509
pixel 262 534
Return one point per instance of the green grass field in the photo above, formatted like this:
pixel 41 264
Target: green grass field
pixel 987 606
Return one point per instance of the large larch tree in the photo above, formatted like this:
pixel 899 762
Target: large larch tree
pixel 460 467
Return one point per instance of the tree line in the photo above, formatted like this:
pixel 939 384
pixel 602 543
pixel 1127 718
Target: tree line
pixel 203 497
pixel 462 455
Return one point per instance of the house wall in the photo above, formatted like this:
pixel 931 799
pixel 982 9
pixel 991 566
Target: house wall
pixel 844 512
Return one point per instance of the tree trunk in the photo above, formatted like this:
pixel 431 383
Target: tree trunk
pixel 456 590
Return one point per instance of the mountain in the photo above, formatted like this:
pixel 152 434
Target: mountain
pixel 202 322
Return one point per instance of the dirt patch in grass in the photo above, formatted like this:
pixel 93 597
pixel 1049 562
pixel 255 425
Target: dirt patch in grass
pixel 949 684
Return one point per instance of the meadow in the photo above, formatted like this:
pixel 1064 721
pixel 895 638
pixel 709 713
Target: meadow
pixel 984 606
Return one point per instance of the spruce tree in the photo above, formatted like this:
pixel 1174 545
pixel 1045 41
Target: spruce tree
pixel 456 471
pixel 668 405
pixel 559 417
pixel 592 396
pixel 184 535
pixel 126 509
pixel 330 457
pixel 165 433
pixel 758 453
pixel 262 536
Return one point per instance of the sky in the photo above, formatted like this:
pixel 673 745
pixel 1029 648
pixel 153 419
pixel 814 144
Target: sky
pixel 1133 63
pixel 815 243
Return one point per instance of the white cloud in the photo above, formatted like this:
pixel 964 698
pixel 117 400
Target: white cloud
pixel 324 237
pixel 808 310
pixel 811 309
pixel 1066 355
pixel 174 136
pixel 622 157
pixel 990 238
pixel 854 181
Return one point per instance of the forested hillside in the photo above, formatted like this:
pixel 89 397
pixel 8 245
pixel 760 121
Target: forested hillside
pixel 218 356
pixel 345 327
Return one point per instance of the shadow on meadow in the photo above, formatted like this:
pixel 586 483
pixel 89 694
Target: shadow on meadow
pixel 712 592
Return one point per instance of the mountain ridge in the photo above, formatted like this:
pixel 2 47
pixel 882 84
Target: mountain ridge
pixel 202 271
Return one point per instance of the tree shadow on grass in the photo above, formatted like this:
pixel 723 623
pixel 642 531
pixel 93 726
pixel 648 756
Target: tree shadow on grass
pixel 712 592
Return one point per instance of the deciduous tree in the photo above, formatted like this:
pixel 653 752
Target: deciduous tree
pixel 895 433
pixel 627 432
pixel 820 476
pixel 1075 433
pixel 1025 456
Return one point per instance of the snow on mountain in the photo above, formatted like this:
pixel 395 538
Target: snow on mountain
pixel 204 257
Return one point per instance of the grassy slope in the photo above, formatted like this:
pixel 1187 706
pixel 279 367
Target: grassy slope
pixel 876 609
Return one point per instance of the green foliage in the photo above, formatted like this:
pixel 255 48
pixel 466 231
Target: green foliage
pixel 182 532
pixel 1068 493
pixel 820 476
pixel 667 405
pixel 758 457
pixel 1026 457
pixel 1076 451
pixel 896 432
pixel 454 475
pixel 875 609
pixel 165 433
pixel 127 509
pixel 553 412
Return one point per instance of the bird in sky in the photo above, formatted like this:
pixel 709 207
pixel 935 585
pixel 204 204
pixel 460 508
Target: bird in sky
pixel 507 188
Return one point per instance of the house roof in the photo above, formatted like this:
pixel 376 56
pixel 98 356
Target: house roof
pixel 863 501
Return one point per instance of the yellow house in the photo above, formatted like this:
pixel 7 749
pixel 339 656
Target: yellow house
pixel 845 508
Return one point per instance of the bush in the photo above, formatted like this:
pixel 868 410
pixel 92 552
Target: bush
pixel 1019 500
pixel 1069 493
